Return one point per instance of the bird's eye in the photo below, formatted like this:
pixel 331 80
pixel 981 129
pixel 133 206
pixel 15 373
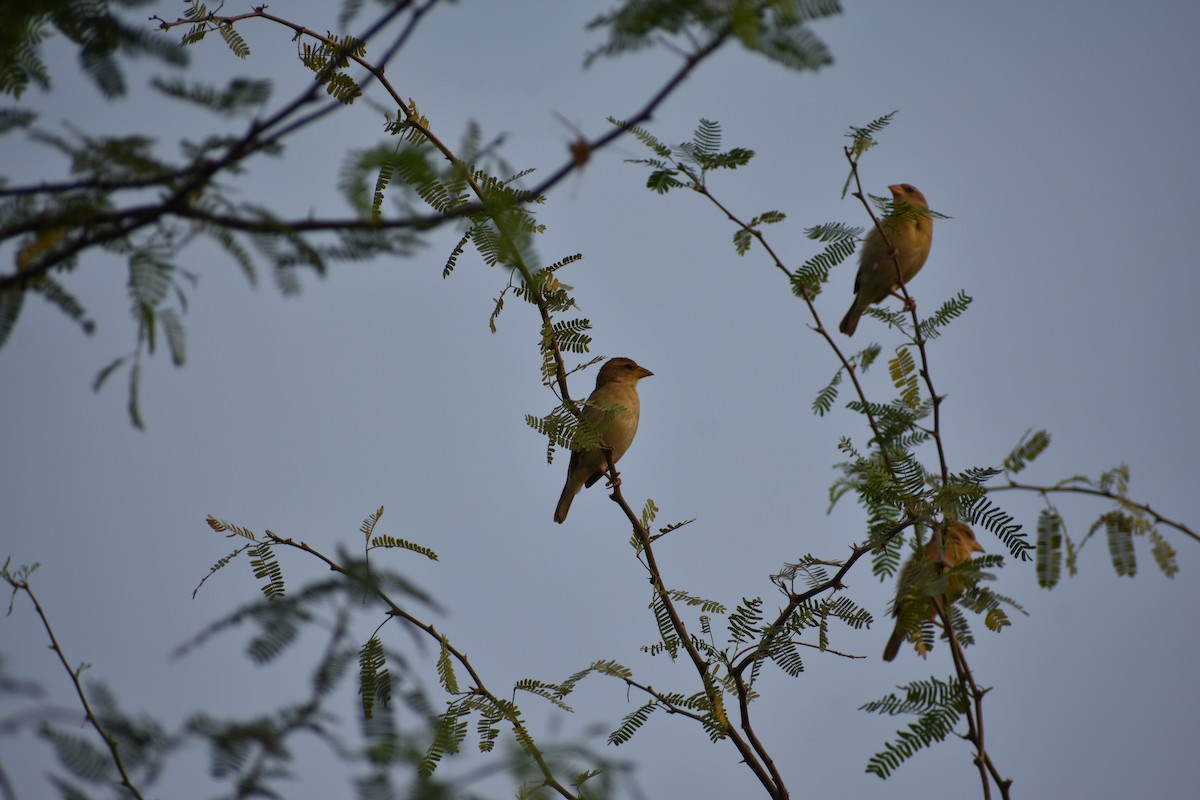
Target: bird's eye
pixel 629 366
pixel 908 187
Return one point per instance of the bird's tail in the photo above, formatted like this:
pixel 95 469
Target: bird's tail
pixel 893 646
pixel 850 321
pixel 564 504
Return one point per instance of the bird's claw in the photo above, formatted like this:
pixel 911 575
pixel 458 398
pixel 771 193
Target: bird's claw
pixel 910 302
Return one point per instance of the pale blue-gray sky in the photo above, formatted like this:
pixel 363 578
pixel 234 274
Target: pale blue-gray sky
pixel 1056 136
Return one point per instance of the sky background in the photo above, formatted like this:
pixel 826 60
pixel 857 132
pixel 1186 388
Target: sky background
pixel 1056 136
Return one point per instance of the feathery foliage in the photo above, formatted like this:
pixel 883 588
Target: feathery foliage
pixel 1119 529
pixel 429 185
pixel 903 369
pixel 674 526
pixel 745 620
pixel 1049 549
pixel 82 759
pixel 666 628
pixel 100 36
pixel 931 326
pixel 705 605
pixel 630 724
pixel 687 165
pixel 862 139
pixel 447 738
pixel 744 237
pixel 939 706
pixel 391 542
pixel 982 511
pixel 786 656
pixel 1121 524
pixel 564 427
pixel 445 669
pixel 267 569
pixel 1031 445
pixel 840 242
pixel 779 31
pixel 827 396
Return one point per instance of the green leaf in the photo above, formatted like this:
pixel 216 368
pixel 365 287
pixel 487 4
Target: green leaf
pixel 631 723
pixel 446 740
pixel 841 242
pixel 1031 445
pixel 940 705
pixel 1119 530
pixel 375 682
pixel 982 511
pixel 745 621
pixel 1164 554
pixel 176 336
pixel 134 404
pixel 385 541
pixel 266 568
pixel 931 326
pixel 863 139
pixel 663 181
pixel 445 668
pixel 11 301
pixel 1049 549
pixel 240 95
pixel 237 45
pixel 903 370
pixel 786 656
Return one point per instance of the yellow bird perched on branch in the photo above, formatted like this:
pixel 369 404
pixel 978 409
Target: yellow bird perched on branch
pixel 914 602
pixel 612 409
pixel 910 229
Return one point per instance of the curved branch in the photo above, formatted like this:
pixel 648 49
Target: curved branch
pixel 198 176
pixel 1086 490
pixel 848 365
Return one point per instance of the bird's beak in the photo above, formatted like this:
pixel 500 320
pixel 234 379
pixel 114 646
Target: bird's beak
pixel 895 189
pixel 976 546
pixel 642 372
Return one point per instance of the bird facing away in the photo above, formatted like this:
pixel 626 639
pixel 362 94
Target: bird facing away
pixel 910 228
pixel 613 410
pixel 913 599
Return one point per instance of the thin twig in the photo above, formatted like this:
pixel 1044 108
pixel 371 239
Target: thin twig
pixel 1144 507
pixel 753 753
pixel 847 364
pixel 109 741
pixel 460 657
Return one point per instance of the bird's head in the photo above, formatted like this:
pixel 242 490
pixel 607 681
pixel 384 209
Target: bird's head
pixel 621 370
pixel 907 193
pixel 958 542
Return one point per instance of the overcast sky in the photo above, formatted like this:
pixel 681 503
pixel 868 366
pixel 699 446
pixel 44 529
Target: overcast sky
pixel 1057 137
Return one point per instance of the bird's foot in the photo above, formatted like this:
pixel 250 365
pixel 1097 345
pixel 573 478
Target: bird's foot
pixel 910 302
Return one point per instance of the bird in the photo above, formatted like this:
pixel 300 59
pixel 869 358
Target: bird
pixel 613 410
pixel 910 229
pixel 913 601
